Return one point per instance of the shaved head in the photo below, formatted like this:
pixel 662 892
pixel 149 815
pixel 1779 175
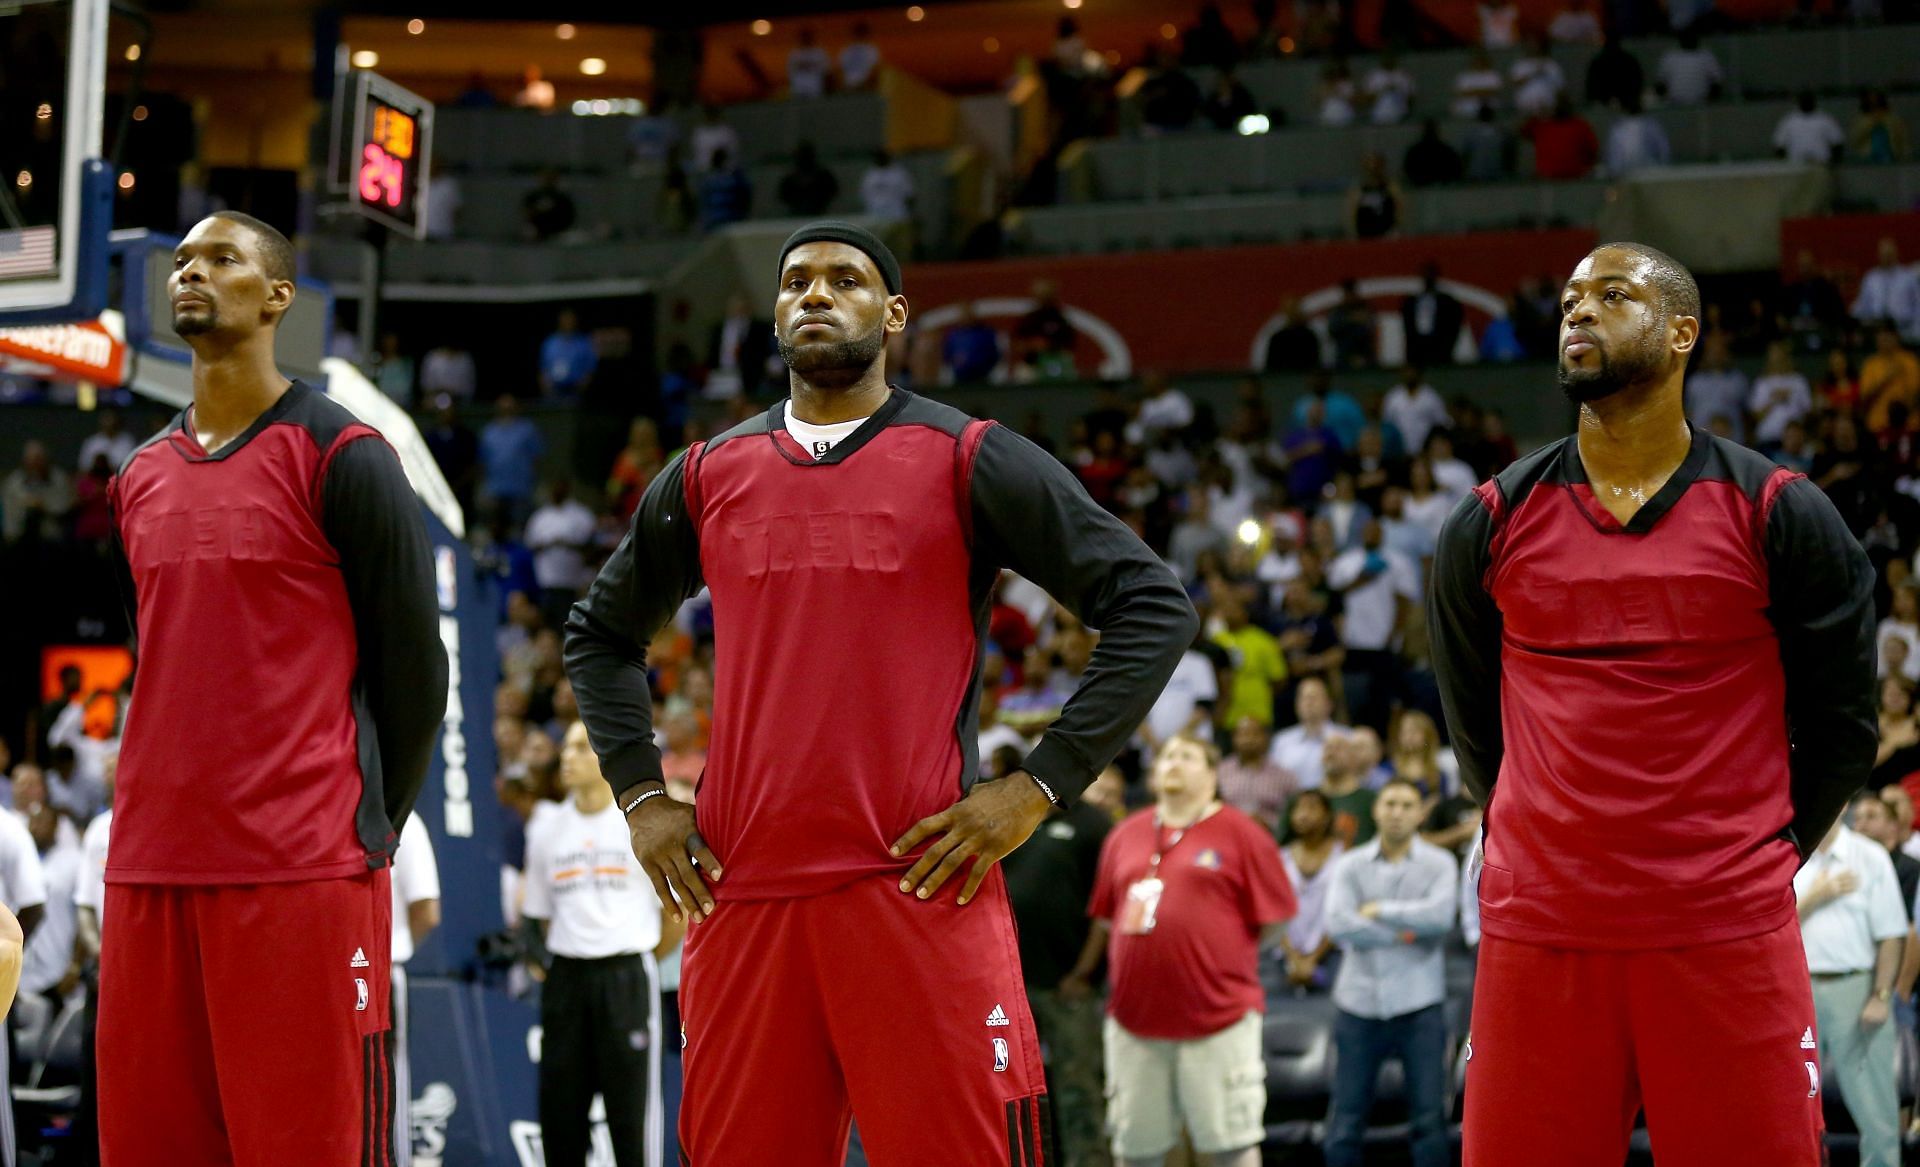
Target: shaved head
pixel 1679 294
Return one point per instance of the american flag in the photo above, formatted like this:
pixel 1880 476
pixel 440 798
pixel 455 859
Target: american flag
pixel 26 252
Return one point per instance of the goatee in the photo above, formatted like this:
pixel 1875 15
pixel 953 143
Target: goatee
pixel 194 323
pixel 834 365
pixel 1583 386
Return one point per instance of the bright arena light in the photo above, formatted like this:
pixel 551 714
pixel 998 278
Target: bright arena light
pixel 416 26
pixel 1249 531
pixel 564 32
pixel 593 66
pixel 762 27
pixel 365 59
pixel 1254 123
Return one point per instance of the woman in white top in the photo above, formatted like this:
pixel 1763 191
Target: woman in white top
pixel 1427 505
pixel 1308 856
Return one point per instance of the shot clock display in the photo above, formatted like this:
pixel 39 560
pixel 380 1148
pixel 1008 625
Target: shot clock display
pixel 389 151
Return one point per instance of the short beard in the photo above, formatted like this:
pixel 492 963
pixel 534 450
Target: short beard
pixel 196 324
pixel 836 365
pixel 1585 386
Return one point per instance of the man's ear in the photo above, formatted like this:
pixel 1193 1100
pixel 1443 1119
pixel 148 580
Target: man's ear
pixel 1683 334
pixel 280 296
pixel 896 314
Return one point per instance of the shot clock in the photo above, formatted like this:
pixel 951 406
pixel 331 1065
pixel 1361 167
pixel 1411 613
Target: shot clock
pixel 386 153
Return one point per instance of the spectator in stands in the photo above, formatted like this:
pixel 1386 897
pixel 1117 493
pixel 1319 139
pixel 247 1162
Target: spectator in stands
pixel 1478 87
pixel 1537 80
pixel 1345 770
pixel 1338 98
pixel 1309 851
pixel 1564 144
pixel 1487 148
pixel 711 138
pixel 634 468
pixel 1499 24
pixel 1614 76
pixel 1313 452
pixel 1227 102
pixel 1251 781
pixel 1208 43
pixel 1809 134
pixel 1794 451
pixel 1452 475
pixel 1169 99
pixel 1050 881
pixel 654 137
pixel 809 188
pixel 1430 161
pixel 92 513
pixel 1636 141
pixel 1043 338
pixel 1890 376
pixel 1781 396
pixel 535 93
pixel 50 968
pixel 561 533
pixel 1431 320
pixel 1414 407
pixel 1500 340
pixel 510 449
pixel 1855 930
pixel 1258 665
pixel 886 189
pixel 1890 292
pixel 1689 74
pixel 1378 586
pixel 109 438
pixel 1388 91
pixel 1879 134
pixel 1718 392
pixel 1070 49
pixel 1898 753
pixel 808 67
pixel 455 449
pixel 1186 705
pixel 447 370
pixel 1293 346
pixel 393 371
pixel 445 196
pixel 738 353
pixel 1873 819
pixel 547 211
pixel 35 498
pixel 1390 908
pixel 1839 386
pixel 725 194
pixel 1811 305
pixel 1375 203
pixel 1188 891
pixel 860 60
pixel 1576 24
pixel 1300 749
pixel 567 358
pixel 1350 328
pixel 970 350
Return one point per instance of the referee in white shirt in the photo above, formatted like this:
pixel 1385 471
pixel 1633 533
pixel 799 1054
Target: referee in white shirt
pixel 1854 929
pixel 600 1009
pixel 416 913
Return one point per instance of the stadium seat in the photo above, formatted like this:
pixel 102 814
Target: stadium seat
pixel 1297 1040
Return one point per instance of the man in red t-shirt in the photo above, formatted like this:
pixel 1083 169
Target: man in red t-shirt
pixel 1187 893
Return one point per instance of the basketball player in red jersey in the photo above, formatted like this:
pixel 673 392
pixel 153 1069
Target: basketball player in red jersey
pixel 1655 648
pixel 291 681
pixel 850 538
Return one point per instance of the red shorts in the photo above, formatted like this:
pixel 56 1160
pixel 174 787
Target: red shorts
pixel 865 1003
pixel 246 1026
pixel 1716 1041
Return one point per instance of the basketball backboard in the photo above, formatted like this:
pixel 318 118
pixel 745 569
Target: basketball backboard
pixel 55 191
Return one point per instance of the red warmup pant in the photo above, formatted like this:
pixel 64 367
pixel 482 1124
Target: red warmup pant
pixel 865 1003
pixel 246 1026
pixel 1716 1041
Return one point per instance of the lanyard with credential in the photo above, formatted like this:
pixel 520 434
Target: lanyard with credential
pixel 1141 910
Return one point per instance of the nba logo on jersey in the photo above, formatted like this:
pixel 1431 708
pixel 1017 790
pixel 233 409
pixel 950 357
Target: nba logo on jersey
pixel 999 1055
pixel 1813 1078
pixel 360 987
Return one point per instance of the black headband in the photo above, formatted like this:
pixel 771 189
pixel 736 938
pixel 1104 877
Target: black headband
pixel 853 235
